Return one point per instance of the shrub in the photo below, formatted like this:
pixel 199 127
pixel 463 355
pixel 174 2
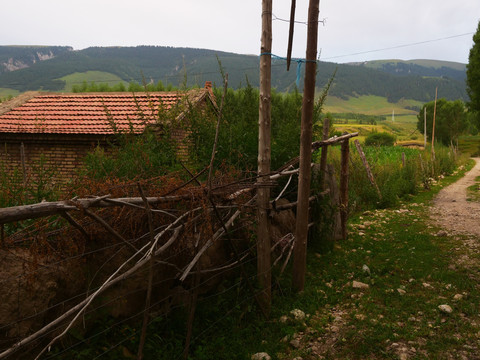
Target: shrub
pixel 238 136
pixel 131 157
pixel 380 139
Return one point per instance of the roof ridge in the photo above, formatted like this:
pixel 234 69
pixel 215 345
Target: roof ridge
pixel 17 101
pixel 86 112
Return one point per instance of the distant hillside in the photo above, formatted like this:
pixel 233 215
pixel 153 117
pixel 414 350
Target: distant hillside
pixel 179 66
pixel 431 68
pixel 20 57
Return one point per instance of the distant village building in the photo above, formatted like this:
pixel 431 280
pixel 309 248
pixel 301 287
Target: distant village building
pixel 63 128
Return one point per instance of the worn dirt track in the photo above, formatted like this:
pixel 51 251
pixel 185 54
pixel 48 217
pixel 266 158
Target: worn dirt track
pixel 453 212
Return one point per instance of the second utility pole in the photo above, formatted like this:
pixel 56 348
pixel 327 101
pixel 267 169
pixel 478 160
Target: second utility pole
pixel 301 230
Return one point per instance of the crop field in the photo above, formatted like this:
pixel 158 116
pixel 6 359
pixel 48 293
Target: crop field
pixel 5 93
pixel 90 76
pixel 371 105
pixel 404 128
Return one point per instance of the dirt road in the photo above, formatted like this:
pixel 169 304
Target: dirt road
pixel 451 209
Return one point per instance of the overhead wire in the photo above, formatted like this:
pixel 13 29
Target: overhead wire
pixel 399 46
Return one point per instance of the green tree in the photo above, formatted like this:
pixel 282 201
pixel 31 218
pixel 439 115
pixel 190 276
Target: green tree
pixel 450 120
pixel 473 75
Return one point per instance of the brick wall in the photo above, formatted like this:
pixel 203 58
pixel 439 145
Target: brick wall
pixel 57 157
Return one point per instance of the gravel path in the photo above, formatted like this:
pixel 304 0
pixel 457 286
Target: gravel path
pixel 453 212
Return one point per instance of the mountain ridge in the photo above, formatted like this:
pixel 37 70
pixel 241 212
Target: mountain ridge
pixel 189 66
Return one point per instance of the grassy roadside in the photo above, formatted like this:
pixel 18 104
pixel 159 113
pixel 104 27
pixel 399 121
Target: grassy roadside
pixel 403 273
pixel 473 191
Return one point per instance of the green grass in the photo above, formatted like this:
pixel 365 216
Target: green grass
pixel 5 93
pixel 370 105
pixel 469 144
pixel 473 191
pixel 90 76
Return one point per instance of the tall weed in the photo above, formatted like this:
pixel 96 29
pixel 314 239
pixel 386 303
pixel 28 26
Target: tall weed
pixel 395 180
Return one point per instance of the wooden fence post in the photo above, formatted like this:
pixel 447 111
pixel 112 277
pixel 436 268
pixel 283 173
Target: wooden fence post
pixel 433 128
pixel 323 157
pixel 345 150
pixel 304 176
pixel 331 183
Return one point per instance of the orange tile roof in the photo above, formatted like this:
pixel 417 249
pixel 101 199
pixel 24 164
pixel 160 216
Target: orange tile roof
pixel 87 113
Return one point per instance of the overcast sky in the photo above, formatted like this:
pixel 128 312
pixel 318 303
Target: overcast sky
pixel 353 30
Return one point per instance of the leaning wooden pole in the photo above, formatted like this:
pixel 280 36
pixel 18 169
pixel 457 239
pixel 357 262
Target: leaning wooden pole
pixel 367 168
pixel 290 33
pixel 425 128
pixel 301 230
pixel 264 120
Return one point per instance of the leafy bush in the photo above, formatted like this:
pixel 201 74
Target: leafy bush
pixel 238 137
pixel 380 139
pixel 132 157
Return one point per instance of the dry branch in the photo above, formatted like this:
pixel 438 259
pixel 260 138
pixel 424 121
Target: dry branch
pixel 210 241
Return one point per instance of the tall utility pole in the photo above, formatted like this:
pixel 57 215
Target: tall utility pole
pixel 264 125
pixel 301 230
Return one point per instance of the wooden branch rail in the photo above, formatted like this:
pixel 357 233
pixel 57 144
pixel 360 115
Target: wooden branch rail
pixel 24 212
pixel 317 145
pixel 44 209
pixel 333 140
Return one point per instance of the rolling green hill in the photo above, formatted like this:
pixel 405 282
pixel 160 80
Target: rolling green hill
pixel 178 66
pixel 431 68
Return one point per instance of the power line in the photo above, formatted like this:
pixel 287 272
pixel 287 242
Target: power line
pixel 323 21
pixel 399 46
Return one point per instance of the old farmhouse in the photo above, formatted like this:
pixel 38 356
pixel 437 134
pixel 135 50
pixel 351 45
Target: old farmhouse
pixel 61 128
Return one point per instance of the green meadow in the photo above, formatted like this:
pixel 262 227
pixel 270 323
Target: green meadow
pixel 98 77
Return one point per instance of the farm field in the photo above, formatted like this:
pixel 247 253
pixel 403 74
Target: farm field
pixel 371 105
pixel 90 76
pixel 403 126
pixel 5 93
